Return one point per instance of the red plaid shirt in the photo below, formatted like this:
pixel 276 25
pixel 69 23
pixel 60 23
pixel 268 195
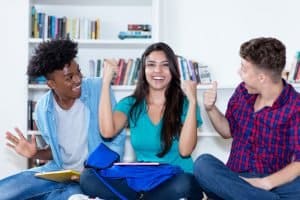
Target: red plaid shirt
pixel 267 140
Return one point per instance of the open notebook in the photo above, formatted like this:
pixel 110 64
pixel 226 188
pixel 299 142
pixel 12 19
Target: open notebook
pixel 137 163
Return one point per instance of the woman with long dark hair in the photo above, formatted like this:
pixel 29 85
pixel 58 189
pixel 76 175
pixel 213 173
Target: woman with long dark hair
pixel 162 118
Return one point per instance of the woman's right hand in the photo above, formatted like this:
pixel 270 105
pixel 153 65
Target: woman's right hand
pixel 110 69
pixel 210 97
pixel 20 144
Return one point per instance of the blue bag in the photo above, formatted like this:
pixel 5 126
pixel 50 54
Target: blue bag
pixel 142 177
pixel 139 177
pixel 102 157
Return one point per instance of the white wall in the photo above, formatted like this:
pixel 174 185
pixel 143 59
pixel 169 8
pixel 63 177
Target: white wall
pixel 211 31
pixel 13 54
pixel 207 31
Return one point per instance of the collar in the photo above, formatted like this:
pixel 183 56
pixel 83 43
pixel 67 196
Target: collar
pixel 284 96
pixel 279 102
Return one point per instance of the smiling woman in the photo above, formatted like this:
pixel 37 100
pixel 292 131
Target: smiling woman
pixel 157 70
pixel 163 121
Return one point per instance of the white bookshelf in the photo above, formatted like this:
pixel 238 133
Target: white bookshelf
pixel 131 87
pixel 114 17
pixel 108 45
pixel 103 42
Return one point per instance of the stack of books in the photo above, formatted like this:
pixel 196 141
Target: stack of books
pixel 136 31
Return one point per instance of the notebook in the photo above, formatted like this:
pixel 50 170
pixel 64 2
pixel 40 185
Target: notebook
pixel 59 176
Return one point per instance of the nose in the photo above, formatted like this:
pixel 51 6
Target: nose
pixel 77 78
pixel 157 68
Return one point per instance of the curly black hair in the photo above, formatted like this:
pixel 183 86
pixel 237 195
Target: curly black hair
pixel 266 53
pixel 50 56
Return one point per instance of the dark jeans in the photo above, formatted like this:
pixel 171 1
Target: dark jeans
pixel 180 186
pixel 219 182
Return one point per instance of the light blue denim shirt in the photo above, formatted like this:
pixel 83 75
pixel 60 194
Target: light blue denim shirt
pixel 46 123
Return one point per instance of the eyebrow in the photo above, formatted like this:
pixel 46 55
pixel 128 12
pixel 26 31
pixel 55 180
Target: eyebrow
pixel 152 61
pixel 71 73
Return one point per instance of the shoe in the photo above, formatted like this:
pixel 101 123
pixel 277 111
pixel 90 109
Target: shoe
pixel 82 197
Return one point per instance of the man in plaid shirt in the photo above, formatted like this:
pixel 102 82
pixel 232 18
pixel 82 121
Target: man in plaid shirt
pixel 263 119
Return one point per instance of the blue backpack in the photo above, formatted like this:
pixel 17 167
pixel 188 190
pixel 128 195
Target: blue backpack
pixel 139 177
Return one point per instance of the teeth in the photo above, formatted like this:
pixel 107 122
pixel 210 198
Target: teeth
pixel 158 78
pixel 77 88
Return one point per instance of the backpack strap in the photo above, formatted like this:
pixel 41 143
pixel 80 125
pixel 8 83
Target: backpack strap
pixel 111 188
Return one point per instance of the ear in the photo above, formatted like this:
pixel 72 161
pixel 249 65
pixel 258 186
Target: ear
pixel 261 77
pixel 51 84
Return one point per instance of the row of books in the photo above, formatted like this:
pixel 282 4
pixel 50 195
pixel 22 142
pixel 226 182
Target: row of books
pixel 30 115
pixel 294 73
pixel 127 73
pixel 129 68
pixel 136 31
pixel 192 70
pixel 47 26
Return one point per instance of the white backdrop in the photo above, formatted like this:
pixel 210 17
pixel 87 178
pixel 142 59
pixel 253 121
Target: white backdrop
pixel 13 55
pixel 209 31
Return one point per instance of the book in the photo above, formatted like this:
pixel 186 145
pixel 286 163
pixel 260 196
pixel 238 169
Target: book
pixel 92 68
pixel 121 66
pixel 134 35
pixel 137 163
pixel 139 27
pixel 127 72
pixel 204 75
pixel 58 176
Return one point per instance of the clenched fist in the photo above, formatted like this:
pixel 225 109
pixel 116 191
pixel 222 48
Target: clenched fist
pixel 210 97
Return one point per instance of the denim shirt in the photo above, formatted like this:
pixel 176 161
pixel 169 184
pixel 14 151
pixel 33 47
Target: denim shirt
pixel 46 123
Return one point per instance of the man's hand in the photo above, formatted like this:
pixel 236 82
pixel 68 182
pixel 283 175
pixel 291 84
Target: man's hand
pixel 75 178
pixel 20 144
pixel 210 97
pixel 261 183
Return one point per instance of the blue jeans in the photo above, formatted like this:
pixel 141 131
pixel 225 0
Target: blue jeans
pixel 219 182
pixel 180 186
pixel 25 185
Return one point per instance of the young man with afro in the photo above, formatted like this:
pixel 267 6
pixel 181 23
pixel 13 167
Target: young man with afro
pixel 67 118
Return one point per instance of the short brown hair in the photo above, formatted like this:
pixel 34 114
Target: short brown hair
pixel 265 53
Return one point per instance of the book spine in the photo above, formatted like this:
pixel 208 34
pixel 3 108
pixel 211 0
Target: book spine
pixel 139 27
pixel 128 68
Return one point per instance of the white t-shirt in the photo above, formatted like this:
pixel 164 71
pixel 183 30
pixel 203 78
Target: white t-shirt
pixel 71 129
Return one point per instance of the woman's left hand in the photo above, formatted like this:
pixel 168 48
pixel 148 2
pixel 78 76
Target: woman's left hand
pixel 190 89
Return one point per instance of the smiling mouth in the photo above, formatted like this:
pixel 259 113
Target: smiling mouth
pixel 158 78
pixel 76 88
